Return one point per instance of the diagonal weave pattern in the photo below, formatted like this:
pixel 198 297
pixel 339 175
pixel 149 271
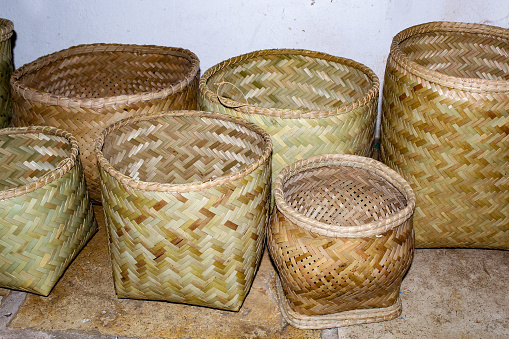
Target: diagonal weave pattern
pixel 88 87
pixel 185 197
pixel 341 238
pixel 445 128
pixel 310 103
pixel 45 214
pixel 6 66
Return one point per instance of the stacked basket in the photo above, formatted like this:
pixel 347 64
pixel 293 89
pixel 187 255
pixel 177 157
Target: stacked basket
pixel 85 88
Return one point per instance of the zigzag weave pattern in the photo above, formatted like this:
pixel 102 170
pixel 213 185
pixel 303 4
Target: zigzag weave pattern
pixel 41 231
pixel 310 103
pixel 445 128
pixel 193 234
pixel 88 87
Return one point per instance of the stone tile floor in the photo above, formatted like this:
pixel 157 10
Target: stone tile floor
pixel 447 293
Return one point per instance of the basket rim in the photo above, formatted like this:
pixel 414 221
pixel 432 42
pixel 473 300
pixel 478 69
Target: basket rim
pixel 289 113
pixel 6 29
pixel 469 84
pixel 339 231
pixel 30 93
pixel 61 169
pixel 187 187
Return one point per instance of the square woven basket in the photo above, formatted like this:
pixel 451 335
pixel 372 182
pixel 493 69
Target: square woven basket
pixel 186 198
pixel 85 88
pixel 45 213
pixel 341 238
pixel 445 128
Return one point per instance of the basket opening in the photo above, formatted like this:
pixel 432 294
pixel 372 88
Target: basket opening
pixel 288 81
pixel 182 149
pixel 340 195
pixel 107 74
pixel 27 157
pixel 460 54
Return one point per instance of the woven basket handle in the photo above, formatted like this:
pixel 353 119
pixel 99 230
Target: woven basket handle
pixel 229 103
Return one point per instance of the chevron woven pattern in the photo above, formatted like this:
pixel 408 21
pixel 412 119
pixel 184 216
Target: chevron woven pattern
pixel 341 238
pixel 309 102
pixel 45 214
pixel 185 195
pixel 85 88
pixel 445 128
pixel 6 27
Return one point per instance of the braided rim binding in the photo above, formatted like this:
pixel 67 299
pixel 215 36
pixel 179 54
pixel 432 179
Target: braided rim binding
pixel 468 84
pixel 62 168
pixel 289 113
pixel 340 231
pixel 188 187
pixel 30 93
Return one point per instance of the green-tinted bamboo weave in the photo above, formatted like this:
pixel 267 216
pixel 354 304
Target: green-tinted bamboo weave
pixel 45 214
pixel 341 238
pixel 88 87
pixel 445 128
pixel 185 195
pixel 6 28
pixel 310 103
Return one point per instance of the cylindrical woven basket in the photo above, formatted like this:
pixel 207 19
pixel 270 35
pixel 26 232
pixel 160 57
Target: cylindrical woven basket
pixel 45 214
pixel 310 103
pixel 341 238
pixel 88 87
pixel 186 197
pixel 6 29
pixel 445 128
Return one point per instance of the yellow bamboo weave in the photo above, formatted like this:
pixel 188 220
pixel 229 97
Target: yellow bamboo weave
pixel 85 88
pixel 310 103
pixel 186 197
pixel 445 129
pixel 341 238
pixel 45 214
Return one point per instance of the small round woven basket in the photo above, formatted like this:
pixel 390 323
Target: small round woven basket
pixel 45 213
pixel 6 30
pixel 445 128
pixel 186 197
pixel 310 103
pixel 341 238
pixel 85 88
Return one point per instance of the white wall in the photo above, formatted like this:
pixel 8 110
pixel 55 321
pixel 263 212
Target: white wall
pixel 216 30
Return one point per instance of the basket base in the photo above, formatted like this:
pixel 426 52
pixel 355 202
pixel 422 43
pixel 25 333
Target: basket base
pixel 340 319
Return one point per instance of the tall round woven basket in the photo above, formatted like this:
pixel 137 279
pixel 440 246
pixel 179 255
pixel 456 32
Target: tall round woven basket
pixel 6 29
pixel 310 103
pixel 45 214
pixel 88 87
pixel 445 128
pixel 186 197
pixel 341 238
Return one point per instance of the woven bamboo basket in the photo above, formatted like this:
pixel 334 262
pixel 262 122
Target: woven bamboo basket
pixel 6 29
pixel 88 87
pixel 45 213
pixel 341 238
pixel 186 197
pixel 310 103
pixel 445 128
